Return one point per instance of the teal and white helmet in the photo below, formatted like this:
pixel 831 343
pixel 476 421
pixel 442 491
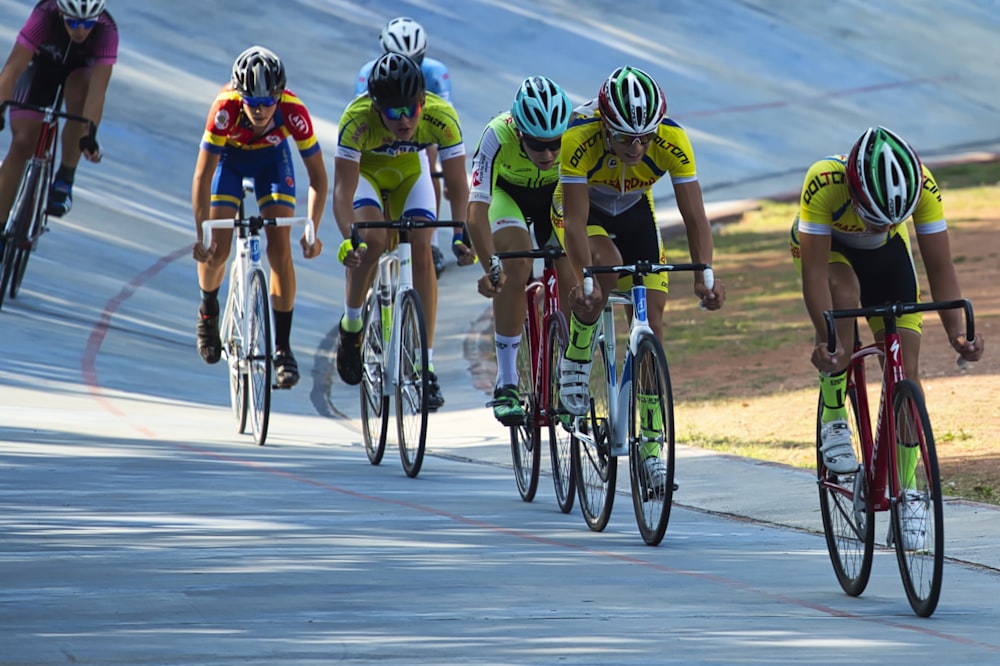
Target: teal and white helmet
pixel 541 109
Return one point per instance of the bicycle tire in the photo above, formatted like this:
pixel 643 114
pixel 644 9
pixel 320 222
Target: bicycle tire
pixel 7 266
pixel 258 355
pixel 848 514
pixel 232 345
pixel 374 401
pixel 560 437
pixel 525 439
pixel 411 383
pixel 16 233
pixel 595 468
pixel 920 555
pixel 651 499
pixel 36 180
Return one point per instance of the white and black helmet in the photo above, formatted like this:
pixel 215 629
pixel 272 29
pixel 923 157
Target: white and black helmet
pixel 258 72
pixel 406 37
pixel 81 9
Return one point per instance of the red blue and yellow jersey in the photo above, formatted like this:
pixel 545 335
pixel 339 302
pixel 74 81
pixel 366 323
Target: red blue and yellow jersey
pixel 227 127
pixel 825 207
pixel 614 186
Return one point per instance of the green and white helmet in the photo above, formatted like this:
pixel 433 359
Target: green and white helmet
pixel 631 102
pixel 884 177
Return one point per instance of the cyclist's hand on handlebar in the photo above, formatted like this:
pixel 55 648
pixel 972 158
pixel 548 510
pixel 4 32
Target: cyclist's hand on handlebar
pixel 711 299
pixel 90 148
pixel 488 288
pixel 462 250
pixel 311 251
pixel 349 255
pixel 577 295
pixel 824 360
pixel 969 351
pixel 201 253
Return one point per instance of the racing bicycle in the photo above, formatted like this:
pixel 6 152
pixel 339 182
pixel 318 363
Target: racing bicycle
pixel 246 321
pixel 542 343
pixel 28 218
pixel 630 415
pixel 394 349
pixel 899 471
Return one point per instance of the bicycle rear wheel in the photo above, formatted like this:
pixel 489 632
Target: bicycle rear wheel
pixel 258 352
pixel 917 513
pixel 411 385
pixel 560 437
pixel 651 440
pixel 232 345
pixel 848 515
pixel 36 181
pixel 374 400
pixel 16 230
pixel 9 253
pixel 525 439
pixel 595 468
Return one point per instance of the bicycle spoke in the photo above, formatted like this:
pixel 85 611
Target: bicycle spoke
pixel 411 387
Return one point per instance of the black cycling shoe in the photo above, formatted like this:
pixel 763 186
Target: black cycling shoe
pixel 209 343
pixel 286 369
pixel 435 399
pixel 438 260
pixel 349 357
pixel 60 199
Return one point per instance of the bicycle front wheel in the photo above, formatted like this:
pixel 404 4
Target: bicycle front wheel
pixel 374 399
pixel 560 435
pixel 651 440
pixel 917 511
pixel 9 254
pixel 595 468
pixel 844 501
pixel 36 182
pixel 411 383
pixel 258 350
pixel 525 439
pixel 232 346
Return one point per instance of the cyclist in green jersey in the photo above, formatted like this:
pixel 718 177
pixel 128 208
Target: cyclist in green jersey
pixel 514 173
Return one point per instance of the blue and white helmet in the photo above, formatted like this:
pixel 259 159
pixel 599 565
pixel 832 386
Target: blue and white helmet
pixel 541 109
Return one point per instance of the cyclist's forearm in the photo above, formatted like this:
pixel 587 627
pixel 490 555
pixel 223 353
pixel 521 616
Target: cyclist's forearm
pixel 479 230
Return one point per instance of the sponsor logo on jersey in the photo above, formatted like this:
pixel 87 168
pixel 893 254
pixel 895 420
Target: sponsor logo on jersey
pixel 582 149
pixel 222 119
pixel 299 122
pixel 476 178
pixel 820 181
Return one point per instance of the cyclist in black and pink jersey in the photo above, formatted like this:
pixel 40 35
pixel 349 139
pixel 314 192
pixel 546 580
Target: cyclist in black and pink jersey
pixel 69 43
pixel 246 136
pixel 514 173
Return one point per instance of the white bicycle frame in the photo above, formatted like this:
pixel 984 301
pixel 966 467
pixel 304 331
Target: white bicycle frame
pixel 394 278
pixel 246 261
pixel 619 395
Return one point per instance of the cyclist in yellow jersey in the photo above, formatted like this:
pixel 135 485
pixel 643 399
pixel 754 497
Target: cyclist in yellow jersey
pixel 381 160
pixel 612 154
pixel 514 173
pixel 850 244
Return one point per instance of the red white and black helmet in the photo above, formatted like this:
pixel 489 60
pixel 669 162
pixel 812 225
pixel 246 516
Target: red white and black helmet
pixel 631 102
pixel 884 177
pixel 81 9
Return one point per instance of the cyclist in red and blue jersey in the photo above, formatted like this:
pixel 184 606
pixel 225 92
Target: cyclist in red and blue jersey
pixel 247 136
pixel 68 43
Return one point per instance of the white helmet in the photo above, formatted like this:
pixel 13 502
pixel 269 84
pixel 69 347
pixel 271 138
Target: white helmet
pixel 406 37
pixel 81 9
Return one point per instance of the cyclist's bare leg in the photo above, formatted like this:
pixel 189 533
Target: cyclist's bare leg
pixel 424 278
pixel 75 94
pixel 212 272
pixel 656 305
pixel 845 292
pixel 279 256
pixel 509 304
pixel 24 138
pixel 360 279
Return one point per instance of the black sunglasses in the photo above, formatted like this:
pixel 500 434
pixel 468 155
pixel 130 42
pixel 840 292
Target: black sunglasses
pixel 540 145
